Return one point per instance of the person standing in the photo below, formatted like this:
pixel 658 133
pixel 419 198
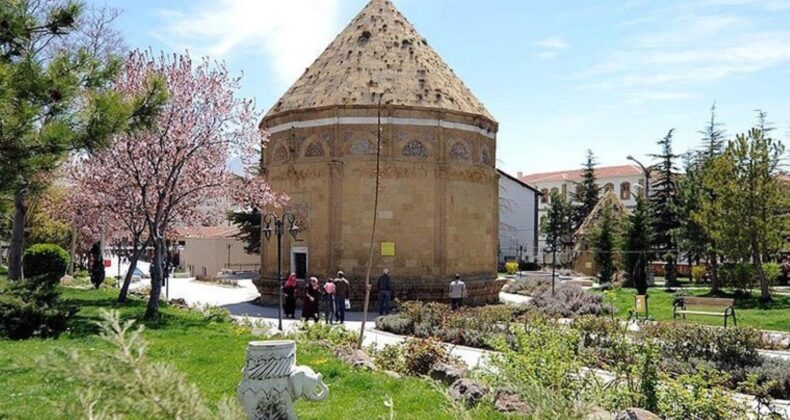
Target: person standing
pixel 385 292
pixel 289 289
pixel 312 300
pixel 329 300
pixel 457 292
pixel 342 292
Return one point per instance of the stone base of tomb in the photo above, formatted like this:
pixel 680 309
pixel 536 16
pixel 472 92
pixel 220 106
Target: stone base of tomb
pixel 480 290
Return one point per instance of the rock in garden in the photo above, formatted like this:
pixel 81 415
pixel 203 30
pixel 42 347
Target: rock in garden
pixel 509 402
pixel 393 375
pixel 179 303
pixel 361 360
pixel 468 391
pixel 636 414
pixel 598 413
pixel 66 280
pixel 447 373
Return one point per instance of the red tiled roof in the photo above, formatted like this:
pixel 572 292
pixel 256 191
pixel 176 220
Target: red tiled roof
pixel 207 232
pixel 576 174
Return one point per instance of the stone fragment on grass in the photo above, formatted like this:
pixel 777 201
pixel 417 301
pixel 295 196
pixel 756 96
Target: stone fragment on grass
pixel 447 373
pixel 636 414
pixel 468 391
pixel 66 280
pixel 356 358
pixel 393 375
pixel 179 303
pixel 598 413
pixel 510 402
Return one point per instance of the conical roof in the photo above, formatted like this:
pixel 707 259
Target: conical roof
pixel 379 52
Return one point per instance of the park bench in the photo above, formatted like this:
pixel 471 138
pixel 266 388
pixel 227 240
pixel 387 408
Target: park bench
pixel 705 306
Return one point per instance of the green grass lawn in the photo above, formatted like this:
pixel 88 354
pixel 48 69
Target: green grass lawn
pixel 749 311
pixel 212 356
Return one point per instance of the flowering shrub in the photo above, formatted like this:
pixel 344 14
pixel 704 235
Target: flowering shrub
pixel 511 267
pixel 698 273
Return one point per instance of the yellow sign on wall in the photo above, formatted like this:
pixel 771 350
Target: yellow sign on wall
pixel 388 249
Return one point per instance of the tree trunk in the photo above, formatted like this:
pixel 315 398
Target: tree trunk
pixel 157 271
pixel 137 251
pixel 17 238
pixel 713 263
pixel 74 234
pixel 765 287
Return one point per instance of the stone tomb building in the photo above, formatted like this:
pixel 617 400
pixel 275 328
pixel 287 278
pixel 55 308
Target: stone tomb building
pixel 438 209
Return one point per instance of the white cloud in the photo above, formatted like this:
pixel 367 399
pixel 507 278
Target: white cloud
pixel 546 55
pixel 291 33
pixel 553 44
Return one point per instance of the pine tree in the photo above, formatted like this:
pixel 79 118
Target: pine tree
pixel 603 246
pixel 588 191
pixel 57 98
pixel 249 224
pixel 637 246
pixel 558 223
pixel 691 195
pixel 663 206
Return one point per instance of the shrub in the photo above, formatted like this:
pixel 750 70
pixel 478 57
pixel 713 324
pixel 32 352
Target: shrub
pixel 698 273
pixel 511 267
pixel 420 355
pixel 82 274
pixel 335 334
pixel 31 309
pixel 728 349
pixel 213 313
pixel 777 373
pixel 118 381
pixel 698 396
pixel 396 324
pixel 47 262
pixel 772 272
pixel 739 276
pixel 110 282
pixel 569 301
pixel 3 270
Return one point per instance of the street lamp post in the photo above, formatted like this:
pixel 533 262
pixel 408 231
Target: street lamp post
pixel 646 172
pixel 279 223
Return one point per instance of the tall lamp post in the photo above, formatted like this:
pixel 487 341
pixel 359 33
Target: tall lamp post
pixel 279 223
pixel 646 172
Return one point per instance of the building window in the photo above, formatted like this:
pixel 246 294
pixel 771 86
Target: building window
pixel 544 197
pixel 625 191
pixel 459 152
pixel 315 150
pixel 415 149
pixel 363 147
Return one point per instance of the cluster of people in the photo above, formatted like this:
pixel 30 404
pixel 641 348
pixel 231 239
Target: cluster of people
pixel 332 297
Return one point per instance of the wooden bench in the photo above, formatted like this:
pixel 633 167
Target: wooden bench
pixel 726 308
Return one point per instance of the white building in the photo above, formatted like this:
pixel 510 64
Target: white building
pixel 207 250
pixel 625 181
pixel 518 219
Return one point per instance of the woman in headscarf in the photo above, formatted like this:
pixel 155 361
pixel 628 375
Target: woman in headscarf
pixel 289 289
pixel 312 300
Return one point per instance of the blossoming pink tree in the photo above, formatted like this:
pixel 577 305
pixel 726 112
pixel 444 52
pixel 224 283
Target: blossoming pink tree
pixel 178 168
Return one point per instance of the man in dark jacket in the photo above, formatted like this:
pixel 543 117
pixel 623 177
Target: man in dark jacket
pixel 342 294
pixel 385 292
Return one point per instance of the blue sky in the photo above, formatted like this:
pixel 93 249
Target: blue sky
pixel 559 76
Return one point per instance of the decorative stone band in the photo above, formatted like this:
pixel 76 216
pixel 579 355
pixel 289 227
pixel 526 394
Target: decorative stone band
pixel 270 359
pixel 384 121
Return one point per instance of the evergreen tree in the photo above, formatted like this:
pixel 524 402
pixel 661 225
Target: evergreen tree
pixel 664 207
pixel 603 246
pixel 588 191
pixel 745 213
pixel 249 224
pixel 558 223
pixel 637 246
pixel 691 233
pixel 57 98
